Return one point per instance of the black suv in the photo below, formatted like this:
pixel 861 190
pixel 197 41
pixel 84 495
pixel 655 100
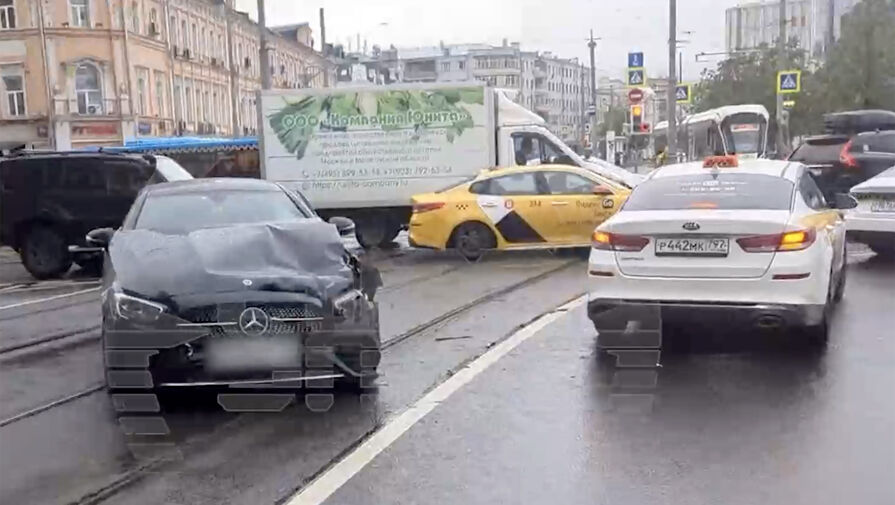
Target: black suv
pixel 839 161
pixel 50 200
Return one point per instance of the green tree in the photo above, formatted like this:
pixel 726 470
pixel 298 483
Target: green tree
pixel 613 121
pixel 859 72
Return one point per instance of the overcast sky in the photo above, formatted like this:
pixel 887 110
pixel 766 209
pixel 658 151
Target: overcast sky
pixel 559 26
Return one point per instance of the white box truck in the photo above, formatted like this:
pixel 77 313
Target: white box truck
pixel 362 152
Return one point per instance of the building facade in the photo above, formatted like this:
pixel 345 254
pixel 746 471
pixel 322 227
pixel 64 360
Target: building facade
pixel 96 72
pixel 815 23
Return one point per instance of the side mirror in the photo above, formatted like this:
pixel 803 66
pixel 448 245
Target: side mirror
pixel 343 224
pixel 600 189
pixel 844 201
pixel 100 237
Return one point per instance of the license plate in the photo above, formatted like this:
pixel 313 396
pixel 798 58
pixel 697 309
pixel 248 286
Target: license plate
pixel 692 247
pixel 882 206
pixel 253 353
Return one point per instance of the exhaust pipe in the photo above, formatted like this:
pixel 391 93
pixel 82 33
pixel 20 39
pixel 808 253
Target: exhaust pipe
pixel 769 321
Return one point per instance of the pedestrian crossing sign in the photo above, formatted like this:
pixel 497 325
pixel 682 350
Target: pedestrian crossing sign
pixel 682 93
pixel 636 77
pixel 789 81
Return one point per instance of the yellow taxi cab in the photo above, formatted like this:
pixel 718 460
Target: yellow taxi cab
pixel 543 206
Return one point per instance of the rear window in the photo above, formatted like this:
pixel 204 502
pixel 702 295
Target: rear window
pixel 707 191
pixel 880 143
pixel 819 151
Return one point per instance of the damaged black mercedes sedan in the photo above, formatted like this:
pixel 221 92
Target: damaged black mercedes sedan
pixel 237 283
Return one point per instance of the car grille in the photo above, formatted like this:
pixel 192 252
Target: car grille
pixel 223 319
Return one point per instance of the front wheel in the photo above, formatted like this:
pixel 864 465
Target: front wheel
pixel 472 240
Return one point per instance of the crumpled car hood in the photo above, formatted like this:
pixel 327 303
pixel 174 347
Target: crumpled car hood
pixel 304 256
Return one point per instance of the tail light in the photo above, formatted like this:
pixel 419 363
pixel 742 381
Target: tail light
pixel 846 158
pixel 419 208
pixel 786 241
pixel 615 242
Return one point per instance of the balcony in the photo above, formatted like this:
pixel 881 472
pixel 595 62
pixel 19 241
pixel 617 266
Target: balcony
pixel 91 107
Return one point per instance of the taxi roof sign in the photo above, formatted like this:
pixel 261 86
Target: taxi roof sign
pixel 726 161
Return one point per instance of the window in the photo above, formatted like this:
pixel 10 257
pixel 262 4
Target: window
pixel 215 107
pixel 153 29
pixel 446 66
pixel 14 83
pixel 178 107
pixel 80 12
pixel 206 106
pixel 160 94
pixel 515 184
pixel 203 40
pixel 194 47
pixel 564 183
pixel 172 34
pixel 184 36
pixel 184 212
pixel 7 15
pixel 135 17
pixel 88 89
pixel 811 193
pixel 188 92
pixel 141 93
pixel 462 65
pixel 712 191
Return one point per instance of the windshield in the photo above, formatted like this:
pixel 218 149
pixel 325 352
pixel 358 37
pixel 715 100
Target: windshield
pixel 819 151
pixel 186 212
pixel 170 170
pixel 707 191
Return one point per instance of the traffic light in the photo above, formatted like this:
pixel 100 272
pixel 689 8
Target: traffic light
pixel 644 127
pixel 636 118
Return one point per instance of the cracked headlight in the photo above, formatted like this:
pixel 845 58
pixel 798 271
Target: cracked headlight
pixel 136 309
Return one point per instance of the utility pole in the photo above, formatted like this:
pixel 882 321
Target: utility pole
pixel 323 51
pixel 592 44
pixel 671 106
pixel 263 50
pixel 583 112
pixel 781 65
pixel 831 21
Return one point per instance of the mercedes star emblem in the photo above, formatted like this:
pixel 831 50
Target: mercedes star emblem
pixel 253 321
pixel 691 226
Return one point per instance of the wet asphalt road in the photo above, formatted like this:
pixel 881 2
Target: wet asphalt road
pixel 734 420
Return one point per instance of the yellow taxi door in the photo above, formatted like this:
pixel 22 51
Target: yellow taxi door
pixel 584 209
pixel 517 208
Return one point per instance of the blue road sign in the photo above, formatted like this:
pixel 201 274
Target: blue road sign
pixel 682 93
pixel 635 60
pixel 636 77
pixel 789 81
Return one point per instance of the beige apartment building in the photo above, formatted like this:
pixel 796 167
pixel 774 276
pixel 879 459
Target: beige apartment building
pixel 96 72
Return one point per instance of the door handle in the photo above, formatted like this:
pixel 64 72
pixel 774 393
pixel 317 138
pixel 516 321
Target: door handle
pixel 558 204
pixel 489 204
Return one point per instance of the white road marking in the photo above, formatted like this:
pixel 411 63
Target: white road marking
pixel 47 299
pixel 330 481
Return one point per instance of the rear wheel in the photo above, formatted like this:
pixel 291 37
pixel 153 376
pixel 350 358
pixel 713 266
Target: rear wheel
pixel 370 232
pixel 472 240
pixel 819 335
pixel 840 286
pixel 883 248
pixel 45 253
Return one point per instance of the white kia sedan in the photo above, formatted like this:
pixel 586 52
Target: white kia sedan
pixel 873 221
pixel 753 241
